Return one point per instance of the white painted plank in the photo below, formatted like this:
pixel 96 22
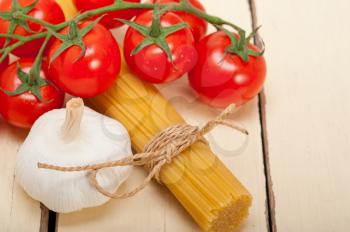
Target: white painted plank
pixel 154 209
pixel 18 212
pixel 308 112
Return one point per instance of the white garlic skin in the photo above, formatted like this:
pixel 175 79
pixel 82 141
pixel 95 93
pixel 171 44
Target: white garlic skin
pixel 100 139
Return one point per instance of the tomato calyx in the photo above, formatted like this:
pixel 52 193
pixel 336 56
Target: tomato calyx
pixel 14 20
pixel 239 44
pixel 155 34
pixel 29 82
pixel 73 38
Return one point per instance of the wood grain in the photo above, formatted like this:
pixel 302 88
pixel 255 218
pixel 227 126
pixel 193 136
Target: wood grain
pixel 270 195
pixel 155 209
pixel 307 112
pixel 18 212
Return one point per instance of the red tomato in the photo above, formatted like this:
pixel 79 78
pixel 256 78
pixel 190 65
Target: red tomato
pixel 152 63
pixel 95 71
pixel 197 25
pixel 220 78
pixel 47 10
pixel 4 64
pixel 110 19
pixel 24 109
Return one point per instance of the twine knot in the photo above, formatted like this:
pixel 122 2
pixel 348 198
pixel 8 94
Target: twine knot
pixel 160 150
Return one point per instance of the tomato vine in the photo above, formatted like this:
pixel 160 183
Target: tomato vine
pixel 183 5
pixel 177 27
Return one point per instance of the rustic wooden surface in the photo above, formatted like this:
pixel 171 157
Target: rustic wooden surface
pixel 295 161
pixel 17 212
pixel 308 112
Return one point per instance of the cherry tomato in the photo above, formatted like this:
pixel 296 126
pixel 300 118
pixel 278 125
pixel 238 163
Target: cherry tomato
pixel 197 25
pixel 95 71
pixel 110 19
pixel 24 109
pixel 47 10
pixel 152 63
pixel 68 8
pixel 4 64
pixel 222 78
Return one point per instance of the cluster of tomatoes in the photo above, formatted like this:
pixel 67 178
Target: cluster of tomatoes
pixel 217 76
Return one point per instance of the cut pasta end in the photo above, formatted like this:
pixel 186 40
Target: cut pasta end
pixel 231 217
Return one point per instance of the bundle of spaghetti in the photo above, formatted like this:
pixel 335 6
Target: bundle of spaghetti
pixel 209 192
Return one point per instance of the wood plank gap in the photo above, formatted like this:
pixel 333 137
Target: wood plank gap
pixel 44 221
pixel 271 212
pixel 48 222
pixel 53 219
pixel 270 197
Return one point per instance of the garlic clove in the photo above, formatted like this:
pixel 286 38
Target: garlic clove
pixel 76 136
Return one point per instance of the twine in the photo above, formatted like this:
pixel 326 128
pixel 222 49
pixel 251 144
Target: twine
pixel 159 151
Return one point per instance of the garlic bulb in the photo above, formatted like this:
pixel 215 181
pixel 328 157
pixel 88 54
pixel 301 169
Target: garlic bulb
pixel 76 136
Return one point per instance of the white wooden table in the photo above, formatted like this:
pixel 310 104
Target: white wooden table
pixel 295 162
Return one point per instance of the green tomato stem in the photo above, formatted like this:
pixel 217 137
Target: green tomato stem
pixel 12 36
pixel 35 20
pixel 122 5
pixel 184 6
pixel 21 40
pixel 156 25
pixel 35 70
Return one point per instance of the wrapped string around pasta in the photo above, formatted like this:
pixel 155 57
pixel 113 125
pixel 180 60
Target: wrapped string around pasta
pixel 210 193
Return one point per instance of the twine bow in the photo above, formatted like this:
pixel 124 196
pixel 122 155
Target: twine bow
pixel 159 151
